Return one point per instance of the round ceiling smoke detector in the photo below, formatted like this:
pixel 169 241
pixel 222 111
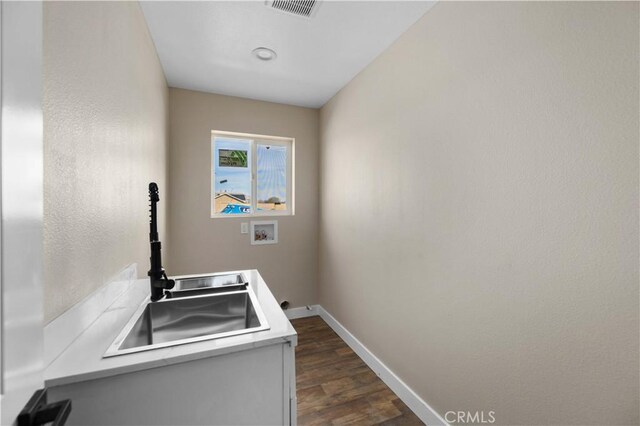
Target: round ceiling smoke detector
pixel 264 53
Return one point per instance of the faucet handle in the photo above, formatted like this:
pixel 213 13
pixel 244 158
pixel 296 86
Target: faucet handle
pixel 168 283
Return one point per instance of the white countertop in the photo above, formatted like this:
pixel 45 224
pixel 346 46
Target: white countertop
pixel 83 360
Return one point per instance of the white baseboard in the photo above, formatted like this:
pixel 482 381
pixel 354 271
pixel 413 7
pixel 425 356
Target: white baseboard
pixel 421 409
pixel 302 312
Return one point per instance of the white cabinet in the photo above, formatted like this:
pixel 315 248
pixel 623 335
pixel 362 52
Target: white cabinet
pixel 253 386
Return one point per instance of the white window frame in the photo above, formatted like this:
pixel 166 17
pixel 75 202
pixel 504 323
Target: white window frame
pixel 256 140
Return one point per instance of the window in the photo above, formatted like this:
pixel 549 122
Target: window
pixel 252 175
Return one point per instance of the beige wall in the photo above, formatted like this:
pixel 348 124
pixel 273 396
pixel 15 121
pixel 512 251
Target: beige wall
pixel 105 139
pixel 482 236
pixel 200 244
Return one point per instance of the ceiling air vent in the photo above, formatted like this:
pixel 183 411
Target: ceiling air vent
pixel 304 8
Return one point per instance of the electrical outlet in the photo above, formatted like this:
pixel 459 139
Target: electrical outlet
pixel 244 228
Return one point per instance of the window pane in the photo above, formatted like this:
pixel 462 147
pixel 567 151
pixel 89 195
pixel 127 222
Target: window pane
pixel 272 177
pixel 232 176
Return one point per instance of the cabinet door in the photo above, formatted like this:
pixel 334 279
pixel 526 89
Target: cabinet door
pixel 239 388
pixel 21 207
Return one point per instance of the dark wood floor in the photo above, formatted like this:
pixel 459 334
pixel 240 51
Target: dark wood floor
pixel 335 387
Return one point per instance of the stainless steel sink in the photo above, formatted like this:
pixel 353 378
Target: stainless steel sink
pixel 183 320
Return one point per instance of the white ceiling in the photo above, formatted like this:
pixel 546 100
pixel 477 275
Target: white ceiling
pixel 207 46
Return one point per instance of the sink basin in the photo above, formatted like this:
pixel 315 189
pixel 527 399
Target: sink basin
pixel 170 322
pixel 188 286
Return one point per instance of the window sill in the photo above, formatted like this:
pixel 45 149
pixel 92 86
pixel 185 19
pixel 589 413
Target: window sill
pixel 250 216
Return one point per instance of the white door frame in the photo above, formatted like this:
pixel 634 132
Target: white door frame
pixel 21 195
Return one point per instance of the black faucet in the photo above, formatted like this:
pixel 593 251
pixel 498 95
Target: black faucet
pixel 157 277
